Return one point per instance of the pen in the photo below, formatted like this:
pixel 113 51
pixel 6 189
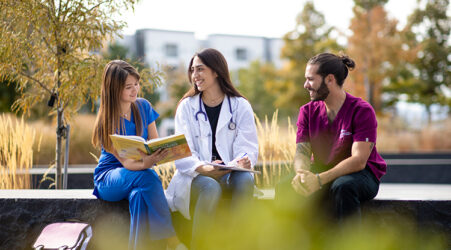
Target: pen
pixel 243 155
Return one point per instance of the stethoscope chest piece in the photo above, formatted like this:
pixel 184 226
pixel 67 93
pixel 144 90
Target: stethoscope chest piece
pixel 232 125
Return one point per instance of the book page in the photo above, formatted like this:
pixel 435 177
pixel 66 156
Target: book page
pixel 127 148
pixel 131 137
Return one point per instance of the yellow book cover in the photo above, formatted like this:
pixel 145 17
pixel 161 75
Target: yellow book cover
pixel 127 146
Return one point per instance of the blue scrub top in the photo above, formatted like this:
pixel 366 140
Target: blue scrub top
pixel 108 161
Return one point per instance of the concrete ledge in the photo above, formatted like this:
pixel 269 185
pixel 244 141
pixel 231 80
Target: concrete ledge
pixel 24 213
pixel 75 194
pixel 22 219
pixel 406 192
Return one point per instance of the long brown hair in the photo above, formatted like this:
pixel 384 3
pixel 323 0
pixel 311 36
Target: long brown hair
pixel 216 62
pixel 108 118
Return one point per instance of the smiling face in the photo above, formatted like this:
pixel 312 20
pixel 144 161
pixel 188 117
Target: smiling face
pixel 315 83
pixel 201 75
pixel 131 89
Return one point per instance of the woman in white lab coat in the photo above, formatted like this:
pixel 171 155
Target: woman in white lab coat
pixel 219 125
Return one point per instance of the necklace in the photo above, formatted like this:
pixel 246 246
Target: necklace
pixel 213 101
pixel 125 115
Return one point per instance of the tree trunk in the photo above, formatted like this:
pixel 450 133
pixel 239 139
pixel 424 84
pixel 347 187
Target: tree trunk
pixel 59 124
pixel 59 139
pixel 368 88
pixel 428 113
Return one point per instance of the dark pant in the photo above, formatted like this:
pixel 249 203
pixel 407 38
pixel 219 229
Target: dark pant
pixel 341 198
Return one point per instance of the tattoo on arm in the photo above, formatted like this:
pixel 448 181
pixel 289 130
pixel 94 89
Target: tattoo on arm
pixel 371 147
pixel 302 158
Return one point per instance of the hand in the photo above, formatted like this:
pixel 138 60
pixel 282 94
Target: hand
pixel 150 160
pixel 212 171
pixel 217 161
pixel 298 185
pixel 244 163
pixel 305 182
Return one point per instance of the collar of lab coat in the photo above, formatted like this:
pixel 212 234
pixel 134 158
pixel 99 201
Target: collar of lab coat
pixel 224 115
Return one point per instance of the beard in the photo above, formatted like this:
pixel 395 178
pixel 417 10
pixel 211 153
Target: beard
pixel 321 93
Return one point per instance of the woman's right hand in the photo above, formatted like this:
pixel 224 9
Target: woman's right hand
pixel 152 159
pixel 212 171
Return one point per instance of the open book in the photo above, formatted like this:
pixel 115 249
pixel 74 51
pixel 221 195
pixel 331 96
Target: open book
pixel 232 167
pixel 127 146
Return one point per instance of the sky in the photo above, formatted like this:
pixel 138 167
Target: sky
pixel 269 18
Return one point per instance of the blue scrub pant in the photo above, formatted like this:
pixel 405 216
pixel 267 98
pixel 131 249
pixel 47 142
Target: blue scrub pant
pixel 205 195
pixel 150 217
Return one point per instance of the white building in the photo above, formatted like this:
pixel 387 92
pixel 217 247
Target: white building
pixel 240 51
pixel 175 48
pixel 164 47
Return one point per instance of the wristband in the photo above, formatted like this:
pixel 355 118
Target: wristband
pixel 319 181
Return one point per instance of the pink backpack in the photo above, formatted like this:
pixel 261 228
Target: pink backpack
pixel 64 235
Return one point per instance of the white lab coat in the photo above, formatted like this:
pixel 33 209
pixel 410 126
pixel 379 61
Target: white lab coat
pixel 231 144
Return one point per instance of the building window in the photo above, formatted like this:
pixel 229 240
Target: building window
pixel 241 54
pixel 171 50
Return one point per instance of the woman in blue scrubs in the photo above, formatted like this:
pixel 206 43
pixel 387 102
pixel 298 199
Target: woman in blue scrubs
pixel 116 178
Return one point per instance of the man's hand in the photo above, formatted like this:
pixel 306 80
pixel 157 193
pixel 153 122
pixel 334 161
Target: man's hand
pixel 298 186
pixel 305 182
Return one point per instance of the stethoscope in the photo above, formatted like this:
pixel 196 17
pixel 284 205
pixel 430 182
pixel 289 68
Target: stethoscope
pixel 231 126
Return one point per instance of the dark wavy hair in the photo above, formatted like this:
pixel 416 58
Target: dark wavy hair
pixel 214 60
pixel 329 63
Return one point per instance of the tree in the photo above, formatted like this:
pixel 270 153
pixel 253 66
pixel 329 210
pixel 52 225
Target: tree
pixel 254 84
pixel 116 51
pixel 375 45
pixel 177 84
pixel 47 46
pixel 427 74
pixel 310 37
pixel 8 94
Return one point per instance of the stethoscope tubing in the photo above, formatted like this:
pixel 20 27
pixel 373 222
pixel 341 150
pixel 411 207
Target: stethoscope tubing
pixel 231 126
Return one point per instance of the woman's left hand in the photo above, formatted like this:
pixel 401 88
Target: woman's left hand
pixel 244 163
pixel 150 160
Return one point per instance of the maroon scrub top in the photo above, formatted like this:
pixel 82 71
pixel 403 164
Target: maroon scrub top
pixel 331 142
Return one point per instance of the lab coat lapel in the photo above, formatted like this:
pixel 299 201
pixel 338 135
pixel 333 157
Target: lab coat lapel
pixel 203 126
pixel 224 116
